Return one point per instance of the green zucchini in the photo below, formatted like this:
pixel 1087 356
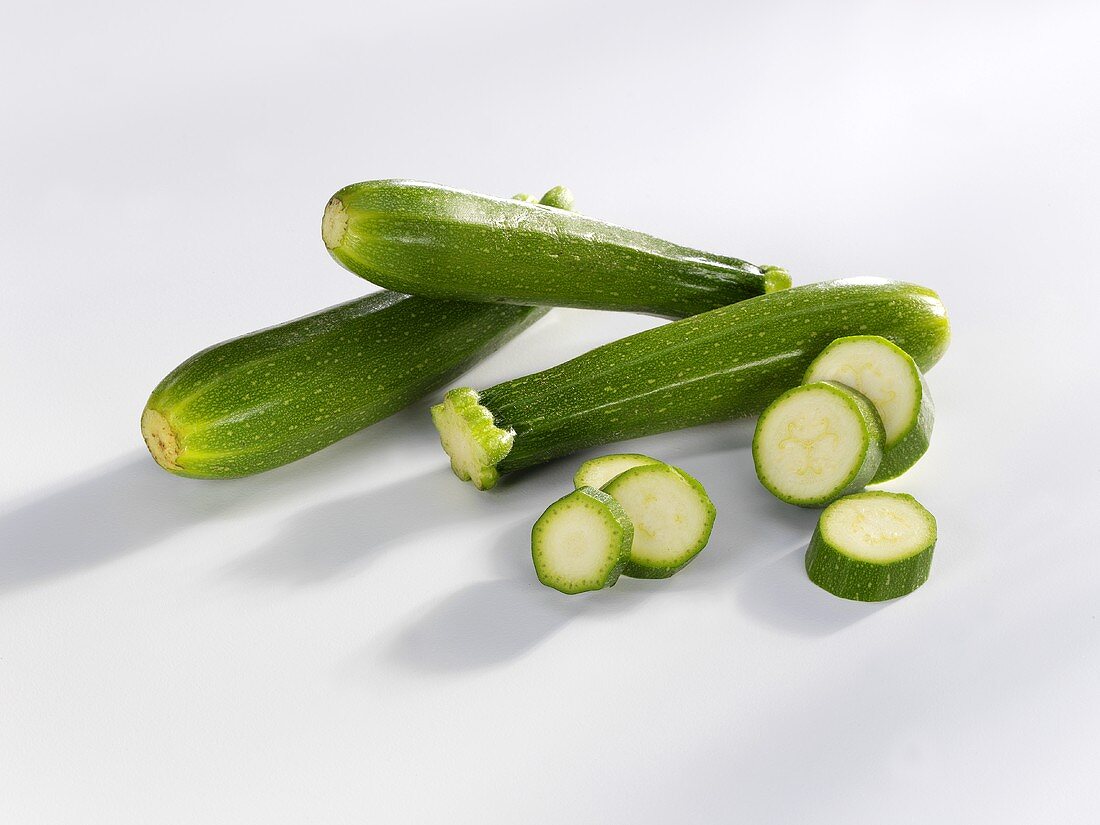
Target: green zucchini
pixel 438 242
pixel 672 516
pixel 889 376
pixel 582 542
pixel 726 363
pixel 872 546
pixel 596 472
pixel 270 397
pixel 816 443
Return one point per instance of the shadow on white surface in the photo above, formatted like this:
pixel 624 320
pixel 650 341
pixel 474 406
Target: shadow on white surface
pixel 120 509
pixel 483 624
pixel 336 537
pixel 780 594
pixel 132 504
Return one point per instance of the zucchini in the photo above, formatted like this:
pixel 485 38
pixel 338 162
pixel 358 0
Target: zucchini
pixel 438 242
pixel 872 546
pixel 582 542
pixel 816 443
pixel 596 472
pixel 270 397
pixel 726 363
pixel 887 375
pixel 672 515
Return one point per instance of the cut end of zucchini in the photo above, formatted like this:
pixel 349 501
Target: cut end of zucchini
pixel 872 546
pixel 816 443
pixel 473 442
pixel 334 224
pixel 581 542
pixel 161 439
pixel 776 278
pixel 596 472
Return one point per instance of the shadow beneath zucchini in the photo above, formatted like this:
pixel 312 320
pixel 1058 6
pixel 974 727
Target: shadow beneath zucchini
pixel 131 504
pixel 781 594
pixel 343 535
pixel 492 622
pixel 124 507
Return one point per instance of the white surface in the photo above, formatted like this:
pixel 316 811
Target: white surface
pixel 358 637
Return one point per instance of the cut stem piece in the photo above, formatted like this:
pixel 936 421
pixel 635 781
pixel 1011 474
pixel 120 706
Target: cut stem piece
pixel 672 516
pixel 581 542
pixel 596 472
pixel 816 443
pixel 872 546
pixel 890 378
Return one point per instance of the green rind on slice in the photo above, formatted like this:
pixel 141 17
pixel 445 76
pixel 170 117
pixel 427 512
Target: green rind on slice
pixel 581 542
pixel 466 431
pixel 891 379
pixel 596 472
pixel 672 514
pixel 816 443
pixel 872 546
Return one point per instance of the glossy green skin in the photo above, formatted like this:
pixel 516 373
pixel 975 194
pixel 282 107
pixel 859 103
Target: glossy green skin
pixel 265 399
pixel 723 364
pixel 870 451
pixel 831 569
pixel 438 242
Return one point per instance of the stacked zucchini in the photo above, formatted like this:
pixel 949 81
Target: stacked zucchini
pixel 834 369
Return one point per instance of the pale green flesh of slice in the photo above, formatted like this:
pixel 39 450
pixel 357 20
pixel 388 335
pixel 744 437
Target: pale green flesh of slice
pixel 812 444
pixel 576 543
pixel 886 376
pixel 667 513
pixel 598 471
pixel 876 529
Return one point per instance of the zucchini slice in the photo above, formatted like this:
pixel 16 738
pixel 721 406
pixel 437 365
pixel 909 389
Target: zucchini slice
pixel 267 398
pixel 672 515
pixel 596 472
pixel 816 443
pixel 439 242
pixel 872 546
pixel 889 376
pixel 726 363
pixel 582 542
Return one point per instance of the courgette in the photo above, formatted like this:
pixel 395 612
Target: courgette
pixel 439 242
pixel 270 397
pixel 888 376
pixel 816 443
pixel 722 364
pixel 872 546
pixel 582 542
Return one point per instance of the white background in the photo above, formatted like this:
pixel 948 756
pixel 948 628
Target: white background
pixel 360 638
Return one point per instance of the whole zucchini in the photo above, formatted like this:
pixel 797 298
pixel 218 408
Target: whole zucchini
pixel 270 397
pixel 438 242
pixel 722 364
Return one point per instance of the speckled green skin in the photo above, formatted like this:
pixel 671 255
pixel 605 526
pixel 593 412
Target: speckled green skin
pixel 868 452
pixel 438 242
pixel 723 364
pixel 270 397
pixel 832 569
